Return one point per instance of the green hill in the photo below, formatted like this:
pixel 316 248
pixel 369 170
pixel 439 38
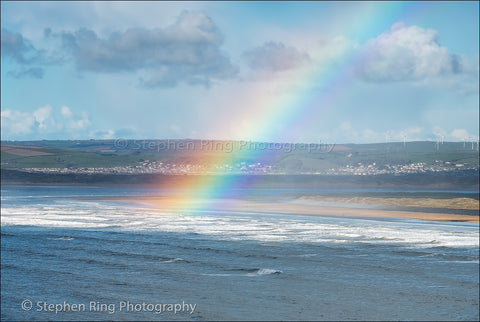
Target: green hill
pixel 278 157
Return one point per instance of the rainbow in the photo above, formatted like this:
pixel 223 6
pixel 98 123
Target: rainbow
pixel 310 92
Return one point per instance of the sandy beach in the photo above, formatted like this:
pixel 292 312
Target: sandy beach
pixel 299 206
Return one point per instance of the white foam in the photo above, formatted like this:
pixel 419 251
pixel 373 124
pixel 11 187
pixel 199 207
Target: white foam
pixel 255 273
pixel 307 255
pixel 264 271
pixel 173 260
pixel 242 226
pixel 63 238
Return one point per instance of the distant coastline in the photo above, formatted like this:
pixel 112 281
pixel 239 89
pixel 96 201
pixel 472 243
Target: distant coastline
pixel 435 182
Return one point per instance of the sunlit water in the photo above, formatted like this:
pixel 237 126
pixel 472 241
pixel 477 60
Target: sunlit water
pixel 231 265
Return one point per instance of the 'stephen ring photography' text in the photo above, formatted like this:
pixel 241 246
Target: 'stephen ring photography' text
pixel 110 308
pixel 220 146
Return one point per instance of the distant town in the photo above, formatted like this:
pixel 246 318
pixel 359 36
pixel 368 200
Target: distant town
pixel 124 157
pixel 156 167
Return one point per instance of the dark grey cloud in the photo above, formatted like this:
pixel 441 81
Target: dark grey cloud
pixel 34 72
pixel 275 56
pixel 187 51
pixel 18 48
pixel 29 60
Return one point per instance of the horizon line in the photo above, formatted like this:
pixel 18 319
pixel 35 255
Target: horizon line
pixel 469 140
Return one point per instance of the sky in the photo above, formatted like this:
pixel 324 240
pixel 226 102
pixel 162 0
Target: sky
pixel 311 72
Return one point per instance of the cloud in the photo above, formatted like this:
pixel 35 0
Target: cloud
pixel 28 58
pixel 357 133
pixel 188 51
pixel 72 122
pixel 349 132
pixel 43 118
pixel 43 123
pixel 409 53
pixel 103 134
pixel 275 56
pixel 454 135
pixel 13 45
pixel 460 134
pixel 66 112
pixel 35 72
pixel 16 122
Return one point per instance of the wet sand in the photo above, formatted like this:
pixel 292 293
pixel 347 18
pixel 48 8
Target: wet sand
pixel 444 203
pixel 295 206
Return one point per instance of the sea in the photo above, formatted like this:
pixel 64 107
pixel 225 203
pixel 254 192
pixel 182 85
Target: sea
pixel 67 254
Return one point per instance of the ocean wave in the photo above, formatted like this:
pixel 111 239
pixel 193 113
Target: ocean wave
pixel 240 226
pixel 307 255
pixel 250 272
pixel 62 238
pixel 264 271
pixel 173 260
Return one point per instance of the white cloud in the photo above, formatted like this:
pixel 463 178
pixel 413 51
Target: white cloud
pixel 70 121
pixel 417 133
pixel 459 134
pixel 103 134
pixel 370 135
pixel 66 112
pixel 43 123
pixel 409 53
pixel 43 117
pixel 345 132
pixel 83 122
pixel 455 135
pixel 16 123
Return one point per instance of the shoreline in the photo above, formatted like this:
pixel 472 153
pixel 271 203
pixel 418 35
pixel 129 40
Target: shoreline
pixel 427 181
pixel 290 208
